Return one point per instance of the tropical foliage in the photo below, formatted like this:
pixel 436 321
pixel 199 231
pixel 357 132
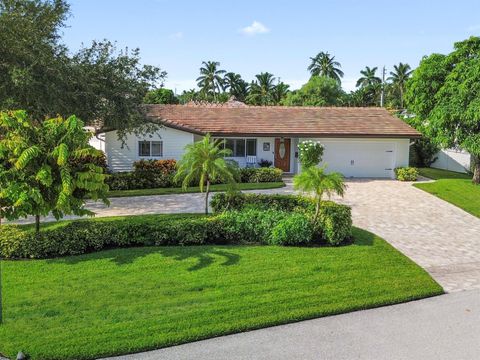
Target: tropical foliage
pixel 160 96
pixel 47 168
pixel 323 64
pixel 318 91
pixel 443 93
pixel 398 79
pixel 210 80
pixel 204 161
pixel 316 180
pixel 38 73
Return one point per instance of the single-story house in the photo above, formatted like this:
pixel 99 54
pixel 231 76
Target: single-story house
pixel 359 142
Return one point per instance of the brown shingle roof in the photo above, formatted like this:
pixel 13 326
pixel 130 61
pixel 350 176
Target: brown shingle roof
pixel 282 121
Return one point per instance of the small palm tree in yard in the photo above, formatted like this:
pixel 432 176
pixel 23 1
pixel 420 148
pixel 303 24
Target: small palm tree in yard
pixel 315 180
pixel 204 161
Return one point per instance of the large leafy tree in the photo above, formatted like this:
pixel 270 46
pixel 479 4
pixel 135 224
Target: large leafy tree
pixel 398 78
pixel 318 91
pixel 99 84
pixel 444 94
pixel 323 64
pixel 262 90
pixel 210 80
pixel 160 96
pixel 204 161
pixel 47 168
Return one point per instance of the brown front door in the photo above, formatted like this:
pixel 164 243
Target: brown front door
pixel 282 154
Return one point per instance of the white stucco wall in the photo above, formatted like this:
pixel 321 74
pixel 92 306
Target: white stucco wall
pixel 121 158
pixel 453 160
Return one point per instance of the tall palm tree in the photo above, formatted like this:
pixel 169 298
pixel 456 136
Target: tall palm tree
pixel 210 79
pixel 279 92
pixel 368 77
pixel 315 179
pixel 261 90
pixel 235 85
pixel 399 78
pixel 204 160
pixel 325 65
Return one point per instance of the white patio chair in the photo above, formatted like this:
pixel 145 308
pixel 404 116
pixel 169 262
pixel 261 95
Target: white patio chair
pixel 251 161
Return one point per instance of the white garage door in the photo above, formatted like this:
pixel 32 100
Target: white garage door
pixel 360 158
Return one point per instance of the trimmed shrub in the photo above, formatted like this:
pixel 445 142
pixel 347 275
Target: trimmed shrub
pixel 335 223
pixel 258 175
pixel 249 225
pixel 163 166
pixel 139 180
pixel 310 153
pixel 295 229
pixel 406 174
pixel 238 201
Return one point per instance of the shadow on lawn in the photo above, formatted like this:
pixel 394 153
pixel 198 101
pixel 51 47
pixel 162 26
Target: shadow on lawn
pixel 204 254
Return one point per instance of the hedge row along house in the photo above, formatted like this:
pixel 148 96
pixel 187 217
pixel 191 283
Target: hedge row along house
pixel 359 142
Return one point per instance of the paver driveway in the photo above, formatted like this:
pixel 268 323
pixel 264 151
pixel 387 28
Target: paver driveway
pixel 438 236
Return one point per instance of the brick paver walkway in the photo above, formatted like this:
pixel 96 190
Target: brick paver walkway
pixel 438 236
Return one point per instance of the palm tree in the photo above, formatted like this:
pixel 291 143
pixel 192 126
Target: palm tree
pixel 399 78
pixel 368 77
pixel 315 179
pixel 279 92
pixel 261 90
pixel 204 160
pixel 210 79
pixel 235 85
pixel 325 65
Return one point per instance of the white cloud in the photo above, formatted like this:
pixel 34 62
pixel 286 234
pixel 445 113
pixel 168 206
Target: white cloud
pixel 177 35
pixel 254 29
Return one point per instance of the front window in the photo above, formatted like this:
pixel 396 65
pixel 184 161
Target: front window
pixel 236 146
pixel 150 148
pixel 251 147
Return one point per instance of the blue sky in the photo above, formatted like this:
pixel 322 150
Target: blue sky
pixel 249 37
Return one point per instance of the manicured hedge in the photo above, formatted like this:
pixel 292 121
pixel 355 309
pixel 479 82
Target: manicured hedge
pixel 151 174
pixel 238 201
pixel 263 174
pixel 334 223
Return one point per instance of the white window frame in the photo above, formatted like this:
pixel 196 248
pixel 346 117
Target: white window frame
pixel 150 148
pixel 245 140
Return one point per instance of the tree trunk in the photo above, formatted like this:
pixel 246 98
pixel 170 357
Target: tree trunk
pixel 37 223
pixel 207 192
pixel 476 169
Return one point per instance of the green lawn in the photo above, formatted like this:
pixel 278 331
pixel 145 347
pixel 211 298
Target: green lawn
pixel 456 188
pixel 436 174
pixel 129 300
pixel 192 189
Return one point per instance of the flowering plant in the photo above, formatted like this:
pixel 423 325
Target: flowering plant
pixel 310 153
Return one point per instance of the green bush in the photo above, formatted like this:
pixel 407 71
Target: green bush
pixel 295 229
pixel 139 180
pixel 406 174
pixel 238 201
pixel 310 153
pixel 250 225
pixel 258 175
pixel 335 223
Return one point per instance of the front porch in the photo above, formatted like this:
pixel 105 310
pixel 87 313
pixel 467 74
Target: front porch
pixel 281 152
